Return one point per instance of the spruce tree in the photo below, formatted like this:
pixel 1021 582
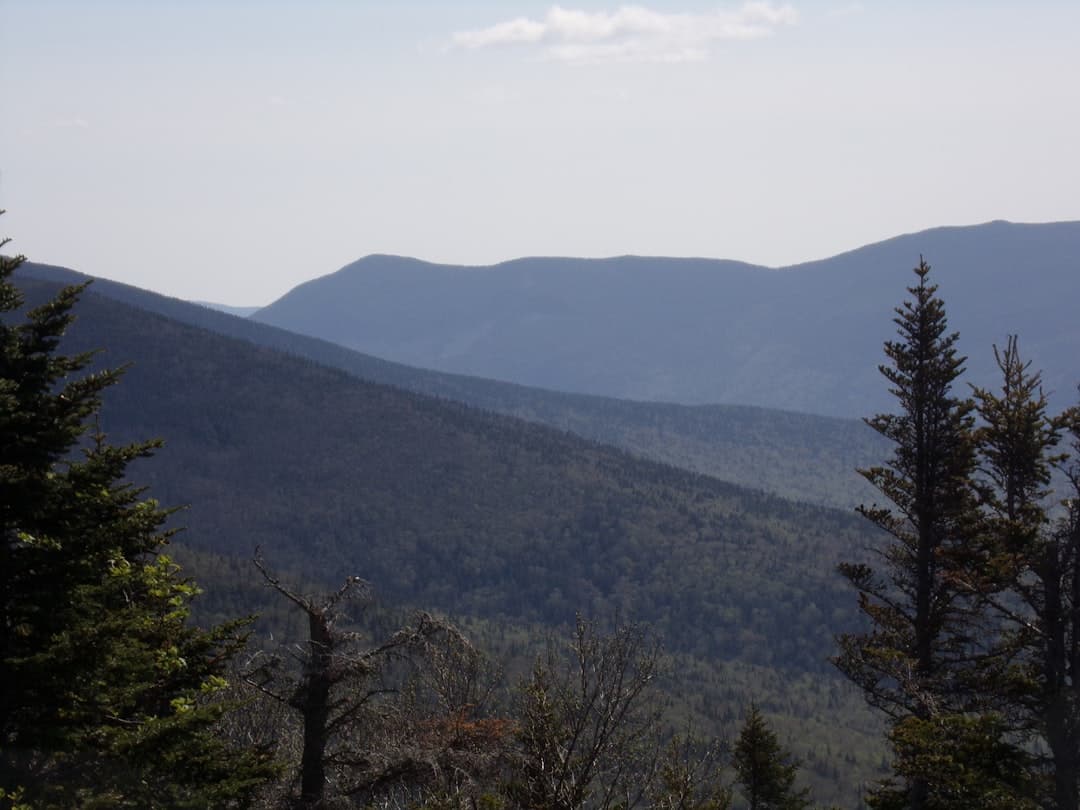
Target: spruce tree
pixel 106 690
pixel 1031 583
pixel 968 761
pixel 764 770
pixel 1058 683
pixel 913 660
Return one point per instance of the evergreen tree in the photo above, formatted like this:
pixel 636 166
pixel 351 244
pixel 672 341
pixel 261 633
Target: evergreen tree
pixel 106 691
pixel 966 761
pixel 1058 685
pixel 764 770
pixel 916 658
pixel 1032 584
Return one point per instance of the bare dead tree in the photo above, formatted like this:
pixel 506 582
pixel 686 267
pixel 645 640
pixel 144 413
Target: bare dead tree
pixel 589 725
pixel 343 676
pixel 384 722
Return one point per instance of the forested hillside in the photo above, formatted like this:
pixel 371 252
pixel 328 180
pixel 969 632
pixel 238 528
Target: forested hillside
pixel 648 406
pixel 482 516
pixel 462 510
pixel 515 529
pixel 803 338
pixel 799 456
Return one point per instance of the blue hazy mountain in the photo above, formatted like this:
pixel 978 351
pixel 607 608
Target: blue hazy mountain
pixel 801 456
pixel 239 312
pixel 804 338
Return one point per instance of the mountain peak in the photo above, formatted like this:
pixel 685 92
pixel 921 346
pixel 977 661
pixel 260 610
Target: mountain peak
pixel 698 331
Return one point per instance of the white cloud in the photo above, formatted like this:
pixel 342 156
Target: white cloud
pixel 519 30
pixel 631 33
pixel 72 123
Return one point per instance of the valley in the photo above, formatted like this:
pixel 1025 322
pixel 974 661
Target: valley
pixel 509 508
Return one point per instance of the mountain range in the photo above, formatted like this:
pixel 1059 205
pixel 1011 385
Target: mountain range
pixel 452 506
pixel 799 456
pixel 432 485
pixel 486 517
pixel 802 338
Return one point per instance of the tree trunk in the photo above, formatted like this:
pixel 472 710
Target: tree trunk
pixel 315 707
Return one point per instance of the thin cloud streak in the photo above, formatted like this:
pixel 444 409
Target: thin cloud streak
pixel 631 33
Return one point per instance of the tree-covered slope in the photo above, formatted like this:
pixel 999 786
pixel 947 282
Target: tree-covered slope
pixel 821 718
pixel 803 338
pixel 457 509
pixel 509 526
pixel 798 456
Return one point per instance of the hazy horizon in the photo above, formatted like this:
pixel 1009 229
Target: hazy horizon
pixel 230 151
pixel 232 305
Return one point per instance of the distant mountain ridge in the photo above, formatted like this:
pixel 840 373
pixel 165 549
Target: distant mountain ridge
pixel 239 312
pixel 490 518
pixel 799 456
pixel 453 507
pixel 805 338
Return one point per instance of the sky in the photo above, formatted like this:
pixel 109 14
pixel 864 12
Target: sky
pixel 230 150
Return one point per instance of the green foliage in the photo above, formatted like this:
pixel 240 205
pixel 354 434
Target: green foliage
pixel 1030 581
pixel 1017 441
pixel 919 614
pixel 916 658
pixel 484 517
pixel 974 638
pixel 966 762
pixel 764 770
pixel 108 695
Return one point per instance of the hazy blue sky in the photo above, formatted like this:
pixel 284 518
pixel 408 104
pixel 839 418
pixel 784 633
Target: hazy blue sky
pixel 229 150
